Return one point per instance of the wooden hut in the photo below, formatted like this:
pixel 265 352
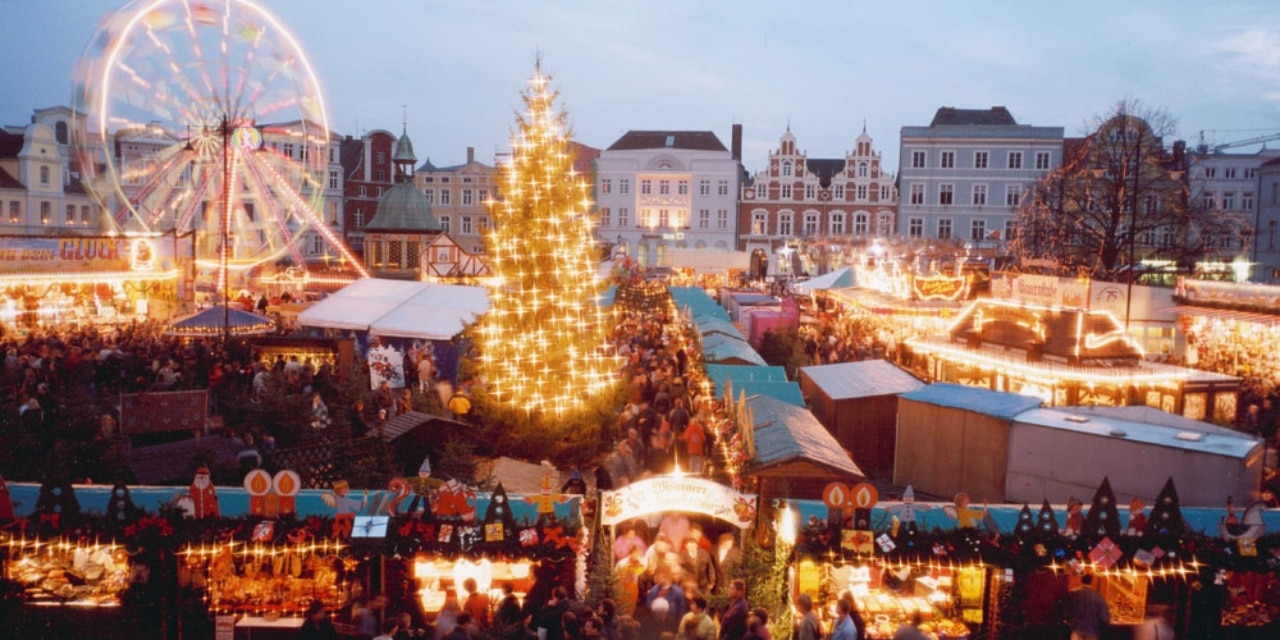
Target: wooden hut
pixel 858 403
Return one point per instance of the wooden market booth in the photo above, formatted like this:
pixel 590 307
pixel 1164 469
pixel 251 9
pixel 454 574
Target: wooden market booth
pixel 1067 357
pixel 858 403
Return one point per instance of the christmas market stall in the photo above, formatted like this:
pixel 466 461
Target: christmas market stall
pixel 1004 447
pixel 1066 356
pixel 858 404
pixel 256 557
pixel 85 280
pixel 338 353
pixel 1003 571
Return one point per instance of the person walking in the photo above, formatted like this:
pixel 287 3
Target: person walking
pixel 1085 611
pixel 809 627
pixel 733 624
pixel 844 628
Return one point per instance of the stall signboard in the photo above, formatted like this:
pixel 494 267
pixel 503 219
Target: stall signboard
pixel 26 254
pixel 225 628
pixel 163 411
pixel 940 287
pixel 1220 293
pixel 676 493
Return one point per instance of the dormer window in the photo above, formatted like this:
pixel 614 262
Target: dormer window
pixel 786 169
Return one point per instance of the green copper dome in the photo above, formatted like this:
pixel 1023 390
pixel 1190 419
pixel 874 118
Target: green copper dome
pixel 403 208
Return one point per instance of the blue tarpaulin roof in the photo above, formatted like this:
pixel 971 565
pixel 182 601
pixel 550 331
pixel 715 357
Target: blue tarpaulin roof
pixel 712 324
pixel 717 347
pixel 788 392
pixel 698 302
pixel 992 403
pixel 787 434
pixel 721 372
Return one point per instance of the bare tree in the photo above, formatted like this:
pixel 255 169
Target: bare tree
pixel 1119 198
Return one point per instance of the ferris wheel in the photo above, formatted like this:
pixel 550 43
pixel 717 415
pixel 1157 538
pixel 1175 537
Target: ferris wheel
pixel 205 117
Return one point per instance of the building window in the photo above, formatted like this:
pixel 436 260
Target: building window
pixel 861 193
pixel 60 132
pixel 46 212
pixel 786 192
pixel 395 254
pixel 288 150
pixel 682 187
pixel 784 224
pixel 646 187
pixel 445 224
pixel 1229 200
pixel 946 194
pixel 482 196
pixel 1042 160
pixel 980 159
pixel 1246 201
pixel 722 188
pixel 84 215
pixel 15 211
pixel 884 193
pixel 71 214
pixel 944 228
pixel 44 175
pixel 1229 173
pixel 1210 172
pixel 467 196
pixel 467 228
pixel 333 179
pixel 446 197
pixel 624 219
pixel 811 226
pixel 412 255
pixel 429 193
pixel 379 190
pixel 837 192
pixel 862 169
pixel 917 194
pixel 381 157
pixel 358 218
pixel 704 187
pixel 317 244
pixel 977 229
pixel 917 159
pixel 1010 230
pixel 606 185
pixel 483 224
pixel 664 187
pixel 333 213
pixel 624 186
pixel 1015 159
pixel 915 227
pixel 836 224
pixel 704 218
pixel 1208 199
pixel 859 224
pixel 759 219
pixel 810 192
pixel 664 218
pixel 605 217
pixel 1013 195
pixel 762 191
pixel 948 160
pixel 363 191
pixel 786 169
pixel 979 194
pixel 1250 173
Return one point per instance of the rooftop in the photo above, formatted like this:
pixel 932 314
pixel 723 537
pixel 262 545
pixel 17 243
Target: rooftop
pixel 690 140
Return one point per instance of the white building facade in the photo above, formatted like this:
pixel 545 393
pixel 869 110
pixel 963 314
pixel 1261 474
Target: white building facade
pixel 963 176
pixel 663 190
pixel 1229 184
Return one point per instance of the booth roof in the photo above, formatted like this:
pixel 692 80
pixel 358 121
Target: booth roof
pixel 712 324
pixel 993 403
pixel 399 308
pixel 698 302
pixel 865 379
pixel 718 347
pixel 788 392
pixel 838 279
pixel 785 433
pixel 719 373
pixel 1231 444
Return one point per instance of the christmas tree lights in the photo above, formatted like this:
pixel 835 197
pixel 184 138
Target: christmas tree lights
pixel 543 340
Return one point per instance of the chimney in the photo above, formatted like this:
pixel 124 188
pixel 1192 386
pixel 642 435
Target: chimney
pixel 735 144
pixel 471 155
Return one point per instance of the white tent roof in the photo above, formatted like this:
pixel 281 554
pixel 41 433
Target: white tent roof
pixel 399 308
pixel 840 278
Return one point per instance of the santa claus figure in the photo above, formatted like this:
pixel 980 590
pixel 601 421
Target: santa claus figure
pixel 204 496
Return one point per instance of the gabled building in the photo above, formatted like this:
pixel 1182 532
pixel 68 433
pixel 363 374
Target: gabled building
pixel 662 190
pixel 459 195
pixel 396 239
pixel 369 174
pixel 40 190
pixel 816 200
pixel 963 176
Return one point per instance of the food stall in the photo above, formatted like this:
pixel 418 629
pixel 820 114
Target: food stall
pixel 69 573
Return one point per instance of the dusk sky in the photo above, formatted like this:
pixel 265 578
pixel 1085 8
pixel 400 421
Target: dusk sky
pixel 824 67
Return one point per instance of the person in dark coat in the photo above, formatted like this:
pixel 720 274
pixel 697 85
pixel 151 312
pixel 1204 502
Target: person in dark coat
pixel 733 625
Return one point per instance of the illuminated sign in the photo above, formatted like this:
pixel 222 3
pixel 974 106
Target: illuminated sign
pixel 676 493
pixel 940 287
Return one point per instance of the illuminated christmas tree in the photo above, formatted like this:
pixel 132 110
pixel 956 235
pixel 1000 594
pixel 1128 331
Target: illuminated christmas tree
pixel 543 338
